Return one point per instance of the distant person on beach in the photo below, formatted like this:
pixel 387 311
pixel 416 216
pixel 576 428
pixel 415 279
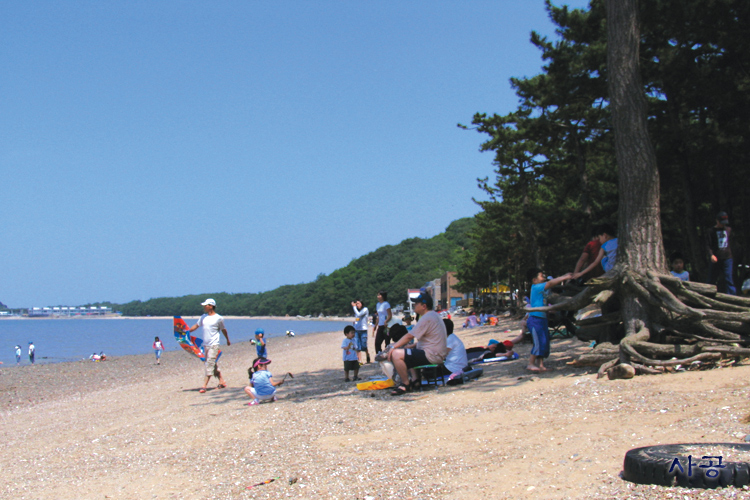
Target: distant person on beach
pixel 158 349
pixel 384 317
pixel 432 344
pixel 361 315
pixel 212 324
pixel 18 354
pixel 260 343
pixel 349 348
pixel 32 352
pixel 493 349
pixel 262 386
pixel 537 322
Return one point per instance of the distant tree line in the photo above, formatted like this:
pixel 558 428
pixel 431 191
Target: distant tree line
pixel 394 268
pixel 555 173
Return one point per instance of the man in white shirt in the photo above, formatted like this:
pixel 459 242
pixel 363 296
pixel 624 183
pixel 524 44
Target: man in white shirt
pixel 432 347
pixel 212 324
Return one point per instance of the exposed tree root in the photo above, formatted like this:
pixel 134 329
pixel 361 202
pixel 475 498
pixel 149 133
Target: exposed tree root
pixel 687 322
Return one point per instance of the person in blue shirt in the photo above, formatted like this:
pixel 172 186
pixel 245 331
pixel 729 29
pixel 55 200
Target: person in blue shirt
pixel 349 349
pixel 260 343
pixel 678 267
pixel 262 386
pixel 537 321
pixel 607 253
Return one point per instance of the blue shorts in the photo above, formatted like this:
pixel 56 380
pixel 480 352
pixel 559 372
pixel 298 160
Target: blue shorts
pixel 540 333
pixel 360 336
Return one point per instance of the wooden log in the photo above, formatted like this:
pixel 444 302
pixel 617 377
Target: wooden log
pixel 663 351
pixel 709 302
pixel 743 328
pixel 674 282
pixel 704 328
pixel 729 350
pixel 592 359
pixel 652 284
pixel 647 370
pixel 606 366
pixel 606 319
pixel 726 315
pixel 734 299
pixel 704 356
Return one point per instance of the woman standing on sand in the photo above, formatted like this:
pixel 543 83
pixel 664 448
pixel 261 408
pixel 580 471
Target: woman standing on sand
pixel 158 348
pixel 384 317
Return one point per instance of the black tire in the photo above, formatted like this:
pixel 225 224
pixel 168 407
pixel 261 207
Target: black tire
pixel 651 465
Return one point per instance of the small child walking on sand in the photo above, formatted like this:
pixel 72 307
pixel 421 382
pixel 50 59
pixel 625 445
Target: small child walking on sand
pixel 260 343
pixel 158 348
pixel 349 347
pixel 262 386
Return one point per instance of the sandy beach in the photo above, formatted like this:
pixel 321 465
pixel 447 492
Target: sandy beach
pixel 129 429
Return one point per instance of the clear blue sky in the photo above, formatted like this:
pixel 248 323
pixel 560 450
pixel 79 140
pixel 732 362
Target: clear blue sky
pixel 152 149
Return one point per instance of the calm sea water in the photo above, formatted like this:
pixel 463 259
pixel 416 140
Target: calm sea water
pixel 59 340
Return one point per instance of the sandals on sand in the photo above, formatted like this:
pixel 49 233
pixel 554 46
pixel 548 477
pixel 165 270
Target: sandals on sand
pixel 401 390
pixel 221 386
pixel 202 390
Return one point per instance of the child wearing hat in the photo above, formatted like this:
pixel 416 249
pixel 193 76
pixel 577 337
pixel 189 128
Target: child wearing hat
pixel 260 343
pixel 262 386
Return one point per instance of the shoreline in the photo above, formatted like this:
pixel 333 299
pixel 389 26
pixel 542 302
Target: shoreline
pixel 129 428
pixel 280 318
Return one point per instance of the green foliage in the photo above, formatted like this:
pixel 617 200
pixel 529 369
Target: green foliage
pixel 554 165
pixel 555 171
pixel 394 268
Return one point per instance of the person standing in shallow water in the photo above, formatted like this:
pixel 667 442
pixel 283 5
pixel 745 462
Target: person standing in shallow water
pixel 18 354
pixel 212 324
pixel 32 352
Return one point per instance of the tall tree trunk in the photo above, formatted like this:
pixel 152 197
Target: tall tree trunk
pixel 640 245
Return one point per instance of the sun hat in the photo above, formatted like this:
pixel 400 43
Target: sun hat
pixel 261 361
pixel 492 342
pixel 260 331
pixel 508 344
pixel 209 302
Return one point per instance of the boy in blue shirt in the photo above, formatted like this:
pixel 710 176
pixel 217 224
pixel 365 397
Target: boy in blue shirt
pixel 678 267
pixel 607 253
pixel 537 321
pixel 260 343
pixel 349 347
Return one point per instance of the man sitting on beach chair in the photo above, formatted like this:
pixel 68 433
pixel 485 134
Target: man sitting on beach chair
pixel 432 347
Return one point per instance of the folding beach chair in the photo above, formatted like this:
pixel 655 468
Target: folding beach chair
pixel 432 375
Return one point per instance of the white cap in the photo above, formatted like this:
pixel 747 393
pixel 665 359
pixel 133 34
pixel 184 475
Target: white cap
pixel 209 302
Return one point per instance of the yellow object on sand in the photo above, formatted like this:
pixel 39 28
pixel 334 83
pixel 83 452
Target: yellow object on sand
pixel 374 385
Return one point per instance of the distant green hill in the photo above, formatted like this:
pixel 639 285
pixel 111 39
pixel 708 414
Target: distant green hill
pixel 394 268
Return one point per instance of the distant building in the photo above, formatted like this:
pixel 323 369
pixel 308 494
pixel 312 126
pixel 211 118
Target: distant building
pixel 449 296
pixel 41 312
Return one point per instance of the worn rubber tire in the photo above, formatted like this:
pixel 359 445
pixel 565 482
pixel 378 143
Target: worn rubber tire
pixel 651 464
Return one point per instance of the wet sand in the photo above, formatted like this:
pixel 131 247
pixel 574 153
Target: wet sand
pixel 129 429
